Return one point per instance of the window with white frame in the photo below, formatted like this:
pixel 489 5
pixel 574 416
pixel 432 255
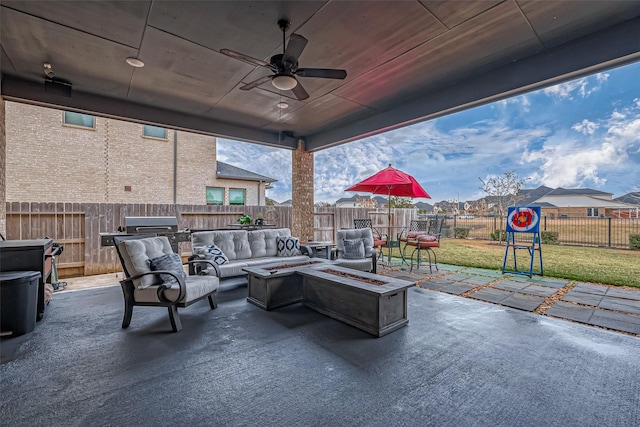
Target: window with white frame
pixel 215 196
pixel 80 120
pixel 592 212
pixel 236 196
pixel 154 132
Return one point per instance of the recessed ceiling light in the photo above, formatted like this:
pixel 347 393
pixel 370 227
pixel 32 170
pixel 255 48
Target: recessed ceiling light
pixel 282 105
pixel 135 62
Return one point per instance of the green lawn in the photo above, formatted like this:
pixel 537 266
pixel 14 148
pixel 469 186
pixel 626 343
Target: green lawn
pixel 586 264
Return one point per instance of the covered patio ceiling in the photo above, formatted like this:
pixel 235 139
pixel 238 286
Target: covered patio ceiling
pixel 406 61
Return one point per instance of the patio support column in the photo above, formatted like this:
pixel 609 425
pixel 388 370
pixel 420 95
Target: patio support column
pixel 302 193
pixel 3 168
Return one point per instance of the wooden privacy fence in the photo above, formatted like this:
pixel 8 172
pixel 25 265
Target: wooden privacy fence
pixel 77 226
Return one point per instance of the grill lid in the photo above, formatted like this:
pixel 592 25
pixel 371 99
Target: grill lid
pixel 146 224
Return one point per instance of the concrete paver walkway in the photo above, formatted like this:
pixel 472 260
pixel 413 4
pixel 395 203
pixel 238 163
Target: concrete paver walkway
pixel 609 307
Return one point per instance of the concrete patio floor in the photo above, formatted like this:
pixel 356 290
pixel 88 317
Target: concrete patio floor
pixel 460 361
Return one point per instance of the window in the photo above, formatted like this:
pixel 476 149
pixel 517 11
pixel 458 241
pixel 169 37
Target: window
pixel 236 197
pixel 592 211
pixel 215 196
pixel 154 132
pixel 79 119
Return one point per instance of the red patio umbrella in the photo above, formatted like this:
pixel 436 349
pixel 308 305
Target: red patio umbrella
pixel 392 182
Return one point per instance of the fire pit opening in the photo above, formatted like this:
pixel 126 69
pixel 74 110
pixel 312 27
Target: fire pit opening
pixel 299 264
pixel 354 277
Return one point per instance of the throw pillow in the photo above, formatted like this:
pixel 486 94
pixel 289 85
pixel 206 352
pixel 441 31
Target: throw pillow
pixel 215 254
pixel 353 248
pixel 170 262
pixel 288 246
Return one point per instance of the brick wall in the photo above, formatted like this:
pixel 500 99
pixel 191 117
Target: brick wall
pixel 302 193
pixel 112 163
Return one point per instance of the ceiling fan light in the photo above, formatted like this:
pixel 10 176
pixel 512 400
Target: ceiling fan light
pixel 284 82
pixel 282 105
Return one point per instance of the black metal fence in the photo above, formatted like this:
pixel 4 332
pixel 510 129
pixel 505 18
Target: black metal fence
pixel 580 231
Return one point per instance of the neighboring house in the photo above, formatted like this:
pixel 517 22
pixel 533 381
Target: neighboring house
pixel 359 201
pixel 573 202
pixel 58 156
pixel 632 199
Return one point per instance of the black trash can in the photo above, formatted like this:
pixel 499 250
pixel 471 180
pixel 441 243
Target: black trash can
pixel 18 301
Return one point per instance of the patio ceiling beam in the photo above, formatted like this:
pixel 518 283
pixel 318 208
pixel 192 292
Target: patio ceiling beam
pixel 609 48
pixel 19 90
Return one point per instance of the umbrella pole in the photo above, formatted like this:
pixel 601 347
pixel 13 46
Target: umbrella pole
pixel 389 237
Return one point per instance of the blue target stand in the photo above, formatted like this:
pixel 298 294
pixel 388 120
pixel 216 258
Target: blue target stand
pixel 523 220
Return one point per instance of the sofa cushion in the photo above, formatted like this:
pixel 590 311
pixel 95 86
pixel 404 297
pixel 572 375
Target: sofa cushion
pixel 195 287
pixel 263 242
pixel 234 243
pixel 232 269
pixel 353 248
pixel 136 254
pixel 170 262
pixel 216 255
pixel 288 246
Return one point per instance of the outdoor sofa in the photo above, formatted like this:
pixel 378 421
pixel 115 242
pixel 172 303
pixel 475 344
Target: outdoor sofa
pixel 226 252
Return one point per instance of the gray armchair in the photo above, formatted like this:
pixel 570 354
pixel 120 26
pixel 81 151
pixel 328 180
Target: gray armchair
pixel 154 276
pixel 350 254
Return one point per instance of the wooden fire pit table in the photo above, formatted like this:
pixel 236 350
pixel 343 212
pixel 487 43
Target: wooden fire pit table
pixel 276 285
pixel 376 304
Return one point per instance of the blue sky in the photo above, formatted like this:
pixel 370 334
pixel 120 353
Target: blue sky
pixel 583 133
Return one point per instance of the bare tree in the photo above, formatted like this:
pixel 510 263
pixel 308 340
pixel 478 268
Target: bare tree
pixel 401 202
pixel 367 202
pixel 503 190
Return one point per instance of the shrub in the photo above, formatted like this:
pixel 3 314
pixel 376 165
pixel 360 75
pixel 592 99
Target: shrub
pixel 461 232
pixel 549 237
pixel 634 241
pixel 500 235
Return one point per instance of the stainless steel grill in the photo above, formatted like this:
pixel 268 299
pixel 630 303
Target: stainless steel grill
pixel 158 225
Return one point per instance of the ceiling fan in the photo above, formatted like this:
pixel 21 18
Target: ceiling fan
pixel 285 65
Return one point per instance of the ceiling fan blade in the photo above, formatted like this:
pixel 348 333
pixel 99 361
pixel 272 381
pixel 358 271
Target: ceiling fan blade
pixel 245 58
pixel 294 49
pixel 256 83
pixel 299 92
pixel 325 73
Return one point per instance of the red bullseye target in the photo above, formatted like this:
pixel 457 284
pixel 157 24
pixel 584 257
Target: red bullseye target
pixel 523 219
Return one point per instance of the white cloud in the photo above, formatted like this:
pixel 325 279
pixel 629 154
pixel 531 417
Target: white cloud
pixel 568 164
pixel 582 87
pixel 585 127
pixel 565 162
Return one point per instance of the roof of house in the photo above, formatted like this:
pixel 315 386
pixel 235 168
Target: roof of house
pixel 572 191
pixel 532 194
pixel 631 198
pixel 227 171
pixel 535 196
pixel 576 201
